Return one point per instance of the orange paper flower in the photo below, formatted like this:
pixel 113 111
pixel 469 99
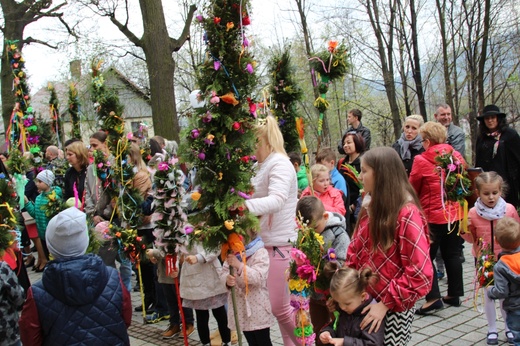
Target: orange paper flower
pixel 229 98
pixel 234 245
pixel 229 26
pixel 300 127
pixel 332 46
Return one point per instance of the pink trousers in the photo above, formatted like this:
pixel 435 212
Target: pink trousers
pixel 279 259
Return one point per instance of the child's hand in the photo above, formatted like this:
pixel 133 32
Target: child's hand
pixel 191 259
pixel 174 273
pixel 231 281
pixel 233 261
pixel 326 338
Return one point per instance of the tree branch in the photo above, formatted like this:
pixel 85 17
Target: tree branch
pixel 30 40
pixel 126 31
pixel 176 44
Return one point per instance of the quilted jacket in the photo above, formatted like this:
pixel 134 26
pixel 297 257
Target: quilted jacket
pixel 427 183
pixel 36 209
pixel 79 301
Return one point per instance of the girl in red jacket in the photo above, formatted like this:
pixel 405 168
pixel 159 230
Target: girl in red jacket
pixel 489 208
pixel 391 238
pixel 331 197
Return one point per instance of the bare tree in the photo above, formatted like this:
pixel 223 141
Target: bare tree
pixel 158 47
pixel 17 16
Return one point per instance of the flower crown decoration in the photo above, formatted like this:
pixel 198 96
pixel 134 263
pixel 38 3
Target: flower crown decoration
pixel 455 182
pixel 485 263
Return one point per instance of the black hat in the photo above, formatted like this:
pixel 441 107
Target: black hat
pixel 491 110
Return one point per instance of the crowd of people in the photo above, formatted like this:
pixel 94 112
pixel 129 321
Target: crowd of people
pixel 381 209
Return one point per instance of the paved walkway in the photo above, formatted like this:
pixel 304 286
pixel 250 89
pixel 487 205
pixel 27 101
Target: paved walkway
pixel 450 326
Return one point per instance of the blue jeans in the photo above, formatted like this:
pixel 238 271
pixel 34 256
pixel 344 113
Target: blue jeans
pixel 513 322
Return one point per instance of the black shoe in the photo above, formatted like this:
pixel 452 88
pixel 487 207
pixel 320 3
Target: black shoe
pixel 455 301
pixel 138 308
pixel 434 306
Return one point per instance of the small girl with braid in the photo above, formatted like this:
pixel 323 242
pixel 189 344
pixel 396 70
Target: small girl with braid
pixel 348 290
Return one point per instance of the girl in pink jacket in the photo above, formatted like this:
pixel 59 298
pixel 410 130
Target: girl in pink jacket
pixel 331 197
pixel 489 208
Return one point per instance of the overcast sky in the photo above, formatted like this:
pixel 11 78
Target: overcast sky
pixel 272 20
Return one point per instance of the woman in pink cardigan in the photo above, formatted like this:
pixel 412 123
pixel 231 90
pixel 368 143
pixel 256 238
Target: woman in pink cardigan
pixel 274 201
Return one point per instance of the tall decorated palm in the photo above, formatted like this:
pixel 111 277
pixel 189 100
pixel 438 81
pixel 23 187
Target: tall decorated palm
pixel 285 95
pixel 54 112
pixel 74 107
pixel 222 141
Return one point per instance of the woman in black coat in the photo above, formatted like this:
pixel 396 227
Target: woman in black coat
pixel 498 149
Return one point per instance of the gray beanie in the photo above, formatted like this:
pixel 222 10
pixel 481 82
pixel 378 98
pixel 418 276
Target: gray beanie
pixel 67 234
pixel 46 177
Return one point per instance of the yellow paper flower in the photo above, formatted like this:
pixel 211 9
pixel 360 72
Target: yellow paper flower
pixel 319 238
pixel 298 285
pixel 229 224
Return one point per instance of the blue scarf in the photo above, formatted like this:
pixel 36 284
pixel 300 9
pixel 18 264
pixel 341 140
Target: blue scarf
pixel 253 246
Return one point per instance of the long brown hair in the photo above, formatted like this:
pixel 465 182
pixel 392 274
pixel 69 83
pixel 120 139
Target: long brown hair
pixel 390 193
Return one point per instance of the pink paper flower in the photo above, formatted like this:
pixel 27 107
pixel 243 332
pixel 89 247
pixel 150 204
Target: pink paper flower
pixel 249 68
pixel 163 166
pixel 299 257
pixel 216 65
pixel 452 167
pixel 306 272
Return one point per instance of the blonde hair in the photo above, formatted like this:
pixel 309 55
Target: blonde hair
pixel 415 117
pixel 81 152
pixel 270 133
pixel 507 233
pixel 346 279
pixel 317 169
pixel 491 178
pixel 434 132
pixel 135 156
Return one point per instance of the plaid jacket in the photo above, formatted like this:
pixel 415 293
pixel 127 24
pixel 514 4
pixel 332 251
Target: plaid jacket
pixel 405 269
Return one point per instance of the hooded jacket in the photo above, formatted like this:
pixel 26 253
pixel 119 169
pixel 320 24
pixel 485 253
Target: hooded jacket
pixel 507 280
pixel 335 235
pixel 427 183
pixel 348 328
pixel 37 209
pixel 79 301
pixel 331 198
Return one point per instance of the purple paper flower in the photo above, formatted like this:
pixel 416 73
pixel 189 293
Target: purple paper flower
pixel 188 230
pixel 249 68
pixel 195 133
pixel 207 118
pixel 202 156
pixel 331 255
pixel 216 65
pixel 199 18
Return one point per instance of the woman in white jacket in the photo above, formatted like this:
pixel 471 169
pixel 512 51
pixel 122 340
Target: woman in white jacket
pixel 274 201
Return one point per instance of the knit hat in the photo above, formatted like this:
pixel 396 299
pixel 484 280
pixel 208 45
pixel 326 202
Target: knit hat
pixel 67 234
pixel 46 177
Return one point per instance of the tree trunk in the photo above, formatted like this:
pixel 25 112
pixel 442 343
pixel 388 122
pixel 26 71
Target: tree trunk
pixel 14 27
pixel 161 68
pixel 416 66
pixel 448 95
pixel 386 57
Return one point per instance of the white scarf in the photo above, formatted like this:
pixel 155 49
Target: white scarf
pixel 491 214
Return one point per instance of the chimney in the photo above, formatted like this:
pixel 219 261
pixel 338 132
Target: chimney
pixel 75 69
